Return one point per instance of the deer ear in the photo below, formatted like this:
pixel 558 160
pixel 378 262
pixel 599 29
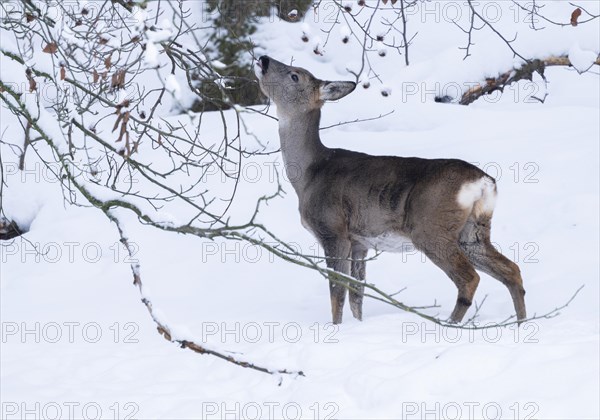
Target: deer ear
pixel 331 91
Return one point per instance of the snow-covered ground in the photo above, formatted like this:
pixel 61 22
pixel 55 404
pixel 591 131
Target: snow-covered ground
pixel 77 341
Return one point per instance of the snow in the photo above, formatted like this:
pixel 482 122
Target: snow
pixel 218 64
pixel 582 60
pixel 151 55
pixel 160 35
pixel 166 219
pixel 172 85
pixel 247 303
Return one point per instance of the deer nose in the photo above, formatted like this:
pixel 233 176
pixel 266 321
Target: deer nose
pixel 264 63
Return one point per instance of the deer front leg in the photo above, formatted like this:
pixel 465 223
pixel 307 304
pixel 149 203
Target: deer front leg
pixel 358 271
pixel 337 253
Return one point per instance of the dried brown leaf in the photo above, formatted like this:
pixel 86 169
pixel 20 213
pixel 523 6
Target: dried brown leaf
pixel 118 79
pixel 119 118
pixel 31 80
pixel 51 48
pixel 123 131
pixel 127 144
pixel 575 15
pixel 63 73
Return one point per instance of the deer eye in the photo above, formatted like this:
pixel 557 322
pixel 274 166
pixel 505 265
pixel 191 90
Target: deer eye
pixel 294 78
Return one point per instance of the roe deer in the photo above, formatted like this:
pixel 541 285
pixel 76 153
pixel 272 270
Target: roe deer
pixel 352 202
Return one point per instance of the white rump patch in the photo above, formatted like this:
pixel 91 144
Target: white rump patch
pixel 478 195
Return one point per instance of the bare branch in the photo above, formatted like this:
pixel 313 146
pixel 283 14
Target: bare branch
pixel 507 78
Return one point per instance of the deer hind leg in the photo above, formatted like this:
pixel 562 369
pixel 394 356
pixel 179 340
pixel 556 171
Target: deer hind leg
pixel 448 256
pixel 358 271
pixel 475 242
pixel 337 253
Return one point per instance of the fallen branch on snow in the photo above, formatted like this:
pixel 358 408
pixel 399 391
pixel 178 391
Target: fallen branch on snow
pixel 525 72
pixel 165 330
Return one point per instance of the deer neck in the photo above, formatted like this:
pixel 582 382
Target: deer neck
pixel 301 146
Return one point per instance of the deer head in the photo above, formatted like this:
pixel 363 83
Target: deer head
pixel 294 89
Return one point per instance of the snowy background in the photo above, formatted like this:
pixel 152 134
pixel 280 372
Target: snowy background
pixel 77 341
